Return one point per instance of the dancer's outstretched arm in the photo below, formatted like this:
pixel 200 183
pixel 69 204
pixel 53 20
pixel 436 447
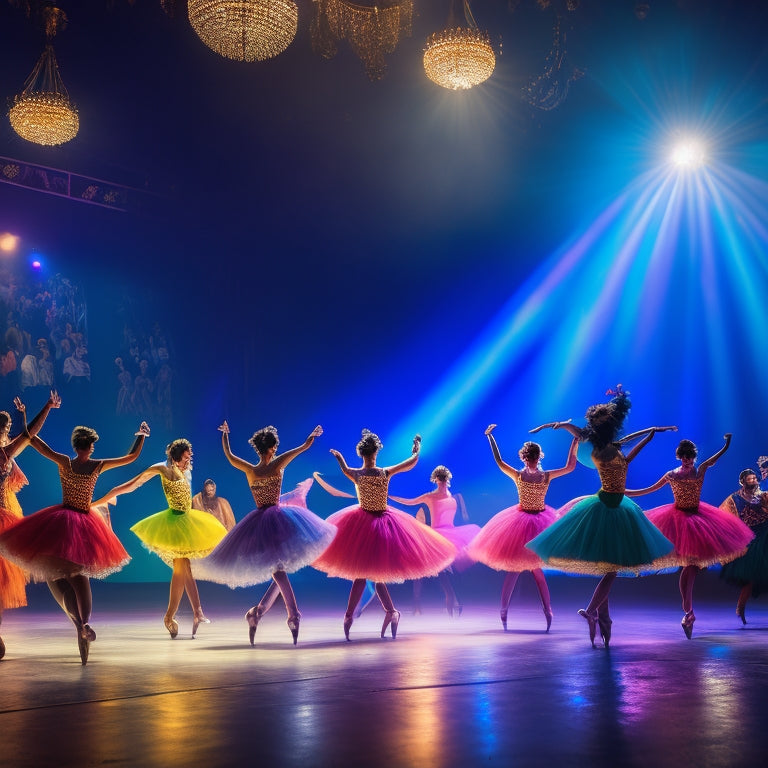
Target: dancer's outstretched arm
pixel 570 463
pixel 503 466
pixel 235 461
pixel 660 483
pixel 573 429
pixel 131 485
pixel 329 488
pixel 284 458
pixel 133 454
pixel 409 463
pixel 705 465
pixel 651 431
pixel 21 441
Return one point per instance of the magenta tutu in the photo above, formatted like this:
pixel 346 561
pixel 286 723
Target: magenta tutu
pixel 58 541
pixel 387 546
pixel 702 536
pixel 461 536
pixel 501 542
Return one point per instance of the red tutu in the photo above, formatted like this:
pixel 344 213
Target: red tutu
pixel 703 537
pixel 501 543
pixel 12 579
pixel 388 546
pixel 58 541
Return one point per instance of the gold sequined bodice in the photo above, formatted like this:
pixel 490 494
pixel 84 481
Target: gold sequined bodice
pixel 372 491
pixel 613 473
pixel 178 493
pixel 686 490
pixel 78 488
pixel 532 494
pixel 266 490
pixel 6 467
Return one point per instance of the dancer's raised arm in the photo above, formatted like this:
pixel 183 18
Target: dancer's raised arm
pixel 649 433
pixel 705 465
pixel 22 440
pixel 570 463
pixel 409 463
pixel 141 433
pixel 503 466
pixel 288 456
pixel 235 461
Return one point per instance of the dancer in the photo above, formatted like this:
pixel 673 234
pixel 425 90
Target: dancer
pixel 67 544
pixel 12 578
pixel 604 533
pixel 218 506
pixel 702 534
pixel 501 543
pixel 442 506
pixel 750 571
pixel 377 542
pixel 178 533
pixel 277 538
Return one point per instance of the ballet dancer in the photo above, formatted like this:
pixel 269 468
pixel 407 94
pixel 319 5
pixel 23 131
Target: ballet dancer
pixel 379 543
pixel 501 543
pixel 442 506
pixel 702 534
pixel 69 543
pixel 279 537
pixel 604 533
pixel 179 533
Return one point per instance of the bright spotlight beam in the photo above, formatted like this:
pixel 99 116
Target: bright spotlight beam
pixel 689 153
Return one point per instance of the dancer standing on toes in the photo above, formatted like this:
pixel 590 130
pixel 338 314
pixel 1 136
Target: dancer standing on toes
pixel 750 571
pixel 277 538
pixel 501 543
pixel 12 578
pixel 702 534
pixel 607 532
pixel 379 543
pixel 442 506
pixel 69 543
pixel 178 533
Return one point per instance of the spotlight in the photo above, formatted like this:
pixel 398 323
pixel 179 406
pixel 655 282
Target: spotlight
pixel 36 266
pixel 8 242
pixel 689 153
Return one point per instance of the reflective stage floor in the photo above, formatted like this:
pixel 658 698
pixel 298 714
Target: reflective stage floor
pixel 447 692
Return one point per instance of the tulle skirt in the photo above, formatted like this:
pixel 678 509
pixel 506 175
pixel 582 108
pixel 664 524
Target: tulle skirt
pixel 12 578
pixel 461 536
pixel 501 543
pixel 57 542
pixel 602 534
pixel 752 567
pixel 704 537
pixel 173 533
pixel 277 538
pixel 390 546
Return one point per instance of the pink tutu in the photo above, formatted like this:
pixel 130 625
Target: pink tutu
pixel 704 537
pixel 388 546
pixel 461 536
pixel 58 541
pixel 501 543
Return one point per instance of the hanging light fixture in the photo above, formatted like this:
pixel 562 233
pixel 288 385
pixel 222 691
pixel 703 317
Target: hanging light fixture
pixel 244 30
pixel 459 57
pixel 42 113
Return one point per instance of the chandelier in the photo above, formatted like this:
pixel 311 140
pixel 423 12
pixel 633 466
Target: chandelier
pixel 42 113
pixel 371 31
pixel 244 30
pixel 458 57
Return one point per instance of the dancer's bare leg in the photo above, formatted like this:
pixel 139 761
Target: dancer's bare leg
pixel 174 596
pixel 417 587
pixel 597 610
pixel 193 595
pixel 687 579
pixel 81 586
pixel 292 609
pixel 741 605
pixel 451 601
pixel 2 644
pixel 392 615
pixel 254 614
pixel 507 588
pixel 64 595
pixel 543 587
pixel 358 586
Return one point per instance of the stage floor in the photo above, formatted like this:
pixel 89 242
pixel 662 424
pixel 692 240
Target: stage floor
pixel 446 692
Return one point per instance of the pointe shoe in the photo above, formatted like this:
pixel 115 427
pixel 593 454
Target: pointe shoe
pixel 85 637
pixel 253 617
pixel 740 612
pixel 2 648
pixel 391 618
pixel 347 625
pixel 197 621
pixel 293 625
pixel 605 622
pixel 503 615
pixel 687 624
pixel 592 621
pixel 548 615
pixel 172 626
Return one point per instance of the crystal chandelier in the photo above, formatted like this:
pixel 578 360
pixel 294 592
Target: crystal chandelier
pixel 371 31
pixel 42 113
pixel 458 57
pixel 244 30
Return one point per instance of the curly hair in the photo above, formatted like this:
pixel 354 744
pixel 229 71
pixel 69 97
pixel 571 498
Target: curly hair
pixel 531 452
pixel 5 420
pixel 686 449
pixel 606 421
pixel 264 439
pixel 745 473
pixel 441 474
pixel 175 450
pixel 369 444
pixel 83 438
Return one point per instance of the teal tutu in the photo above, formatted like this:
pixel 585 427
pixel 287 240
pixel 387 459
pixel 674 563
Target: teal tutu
pixel 752 567
pixel 602 534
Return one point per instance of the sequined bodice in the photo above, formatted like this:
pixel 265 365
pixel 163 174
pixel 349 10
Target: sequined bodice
pixel 686 490
pixel 266 490
pixel 178 493
pixel 442 511
pixel 754 513
pixel 613 473
pixel 6 467
pixel 372 491
pixel 77 488
pixel 532 494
